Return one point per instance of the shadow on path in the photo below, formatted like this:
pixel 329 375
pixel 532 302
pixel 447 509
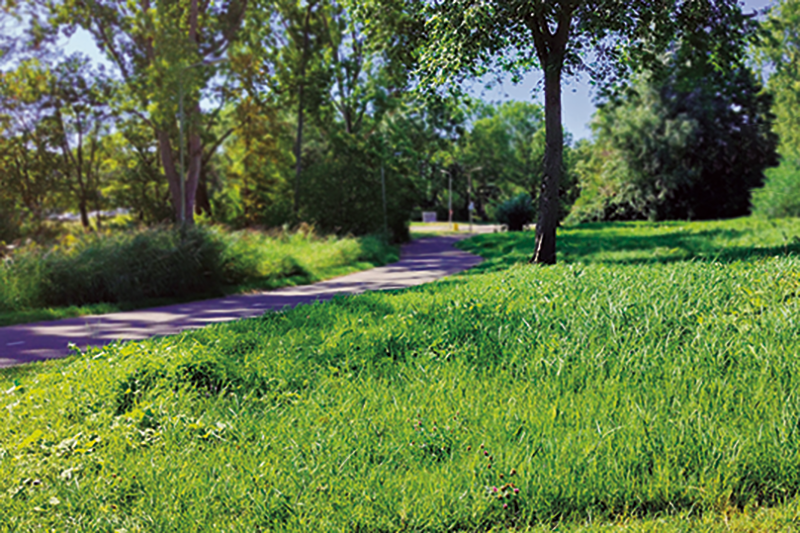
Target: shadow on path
pixel 421 261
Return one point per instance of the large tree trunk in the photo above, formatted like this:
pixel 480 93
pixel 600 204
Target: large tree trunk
pixel 550 49
pixel 194 167
pixel 545 249
pixel 191 168
pixel 172 174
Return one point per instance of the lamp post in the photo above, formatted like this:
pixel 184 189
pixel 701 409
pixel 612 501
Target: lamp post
pixel 471 204
pixel 450 198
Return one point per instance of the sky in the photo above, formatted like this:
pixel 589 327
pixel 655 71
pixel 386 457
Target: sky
pixel 576 96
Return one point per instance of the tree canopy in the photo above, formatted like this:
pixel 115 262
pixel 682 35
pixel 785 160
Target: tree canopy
pixel 604 38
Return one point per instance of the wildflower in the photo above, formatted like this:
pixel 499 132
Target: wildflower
pixel 505 506
pixel 516 490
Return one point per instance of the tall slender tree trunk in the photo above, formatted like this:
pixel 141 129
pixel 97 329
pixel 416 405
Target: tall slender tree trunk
pixel 195 154
pixel 172 174
pixel 298 146
pixel 550 48
pixel 545 249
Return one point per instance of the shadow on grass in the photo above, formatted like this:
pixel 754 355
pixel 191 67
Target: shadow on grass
pixel 624 243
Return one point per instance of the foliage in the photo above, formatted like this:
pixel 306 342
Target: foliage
pixel 134 179
pixel 341 69
pixel 29 184
pixel 248 182
pixel 780 195
pixel 688 147
pixel 557 37
pixel 142 265
pixel 622 392
pixel 165 56
pixel 515 213
pixel 502 151
pixel 780 49
pixel 80 98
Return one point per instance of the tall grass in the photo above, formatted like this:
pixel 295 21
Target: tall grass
pixel 584 394
pixel 141 265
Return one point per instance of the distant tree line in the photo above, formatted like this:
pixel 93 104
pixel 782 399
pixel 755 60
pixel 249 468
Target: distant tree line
pixel 255 113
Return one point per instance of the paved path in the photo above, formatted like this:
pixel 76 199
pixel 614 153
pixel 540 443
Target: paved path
pixel 421 261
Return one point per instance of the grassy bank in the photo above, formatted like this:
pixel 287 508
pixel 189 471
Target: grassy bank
pixel 645 395
pixel 133 269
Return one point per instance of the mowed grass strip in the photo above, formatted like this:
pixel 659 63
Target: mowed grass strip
pixel 524 398
pixel 624 243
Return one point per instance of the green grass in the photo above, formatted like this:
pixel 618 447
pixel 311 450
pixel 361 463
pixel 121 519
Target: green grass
pixel 128 270
pixel 615 393
pixel 623 243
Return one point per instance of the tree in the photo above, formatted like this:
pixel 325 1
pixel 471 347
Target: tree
pixel 602 37
pixel 135 181
pixel 165 52
pixel 500 151
pixel 29 182
pixel 779 49
pixel 690 147
pixel 80 98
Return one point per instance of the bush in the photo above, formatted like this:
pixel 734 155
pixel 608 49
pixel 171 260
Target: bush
pixel 342 193
pixel 780 195
pixel 515 213
pixel 126 267
pixel 134 266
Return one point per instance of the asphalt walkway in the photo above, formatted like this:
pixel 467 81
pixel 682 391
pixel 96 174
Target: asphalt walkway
pixel 421 261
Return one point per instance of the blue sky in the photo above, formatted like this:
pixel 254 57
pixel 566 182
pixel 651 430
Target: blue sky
pixel 576 96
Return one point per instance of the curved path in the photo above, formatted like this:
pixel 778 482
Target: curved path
pixel 421 261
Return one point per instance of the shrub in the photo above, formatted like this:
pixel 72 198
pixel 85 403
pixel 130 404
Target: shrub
pixel 780 195
pixel 126 267
pixel 515 213
pixel 134 266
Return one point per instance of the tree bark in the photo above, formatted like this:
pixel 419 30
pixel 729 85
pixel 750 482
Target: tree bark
pixel 298 147
pixel 550 49
pixel 195 163
pixel 172 174
pixel 298 150
pixel 545 249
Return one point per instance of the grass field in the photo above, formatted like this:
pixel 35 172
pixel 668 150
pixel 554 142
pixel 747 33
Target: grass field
pixel 648 383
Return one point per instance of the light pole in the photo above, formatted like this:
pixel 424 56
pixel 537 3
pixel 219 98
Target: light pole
pixel 450 198
pixel 470 204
